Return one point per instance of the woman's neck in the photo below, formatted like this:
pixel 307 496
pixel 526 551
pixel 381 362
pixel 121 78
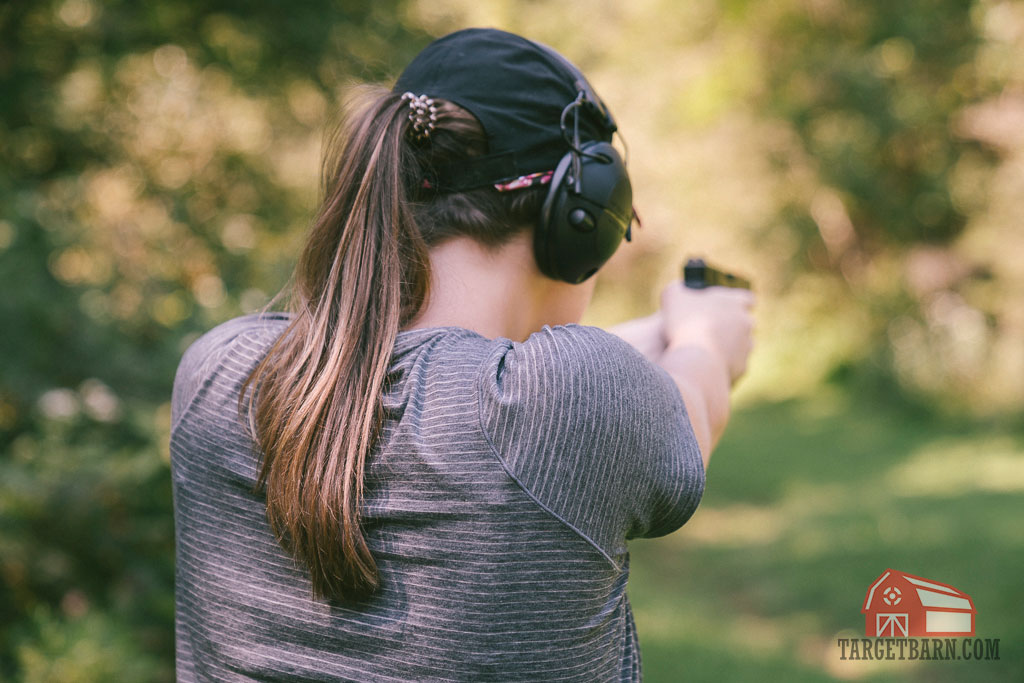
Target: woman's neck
pixel 496 292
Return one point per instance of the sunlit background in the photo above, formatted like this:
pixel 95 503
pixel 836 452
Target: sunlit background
pixel 861 161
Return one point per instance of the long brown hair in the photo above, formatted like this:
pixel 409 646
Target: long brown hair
pixel 314 403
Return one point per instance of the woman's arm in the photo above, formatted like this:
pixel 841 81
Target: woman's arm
pixel 702 339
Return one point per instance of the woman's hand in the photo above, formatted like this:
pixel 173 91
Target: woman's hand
pixel 717 319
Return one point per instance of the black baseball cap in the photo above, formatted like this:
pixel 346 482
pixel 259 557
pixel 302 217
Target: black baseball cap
pixel 517 89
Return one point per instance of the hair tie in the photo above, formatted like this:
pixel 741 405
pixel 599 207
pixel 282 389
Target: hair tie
pixel 422 115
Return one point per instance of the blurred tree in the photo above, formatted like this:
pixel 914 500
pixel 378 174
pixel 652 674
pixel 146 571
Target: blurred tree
pixel 885 100
pixel 871 89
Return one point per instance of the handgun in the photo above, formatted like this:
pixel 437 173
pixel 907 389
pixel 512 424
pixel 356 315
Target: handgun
pixel 697 275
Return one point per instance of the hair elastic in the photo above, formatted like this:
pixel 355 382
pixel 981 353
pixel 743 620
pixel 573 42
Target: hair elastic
pixel 423 115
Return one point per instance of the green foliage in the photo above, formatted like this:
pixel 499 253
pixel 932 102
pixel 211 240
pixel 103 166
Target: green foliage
pixel 871 90
pixel 82 649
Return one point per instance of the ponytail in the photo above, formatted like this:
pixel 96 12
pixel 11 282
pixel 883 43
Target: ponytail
pixel 314 402
pixel 315 406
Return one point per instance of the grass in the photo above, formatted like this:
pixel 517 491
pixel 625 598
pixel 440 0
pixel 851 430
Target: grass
pixel 807 503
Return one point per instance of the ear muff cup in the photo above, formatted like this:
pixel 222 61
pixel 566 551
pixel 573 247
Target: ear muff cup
pixel 579 231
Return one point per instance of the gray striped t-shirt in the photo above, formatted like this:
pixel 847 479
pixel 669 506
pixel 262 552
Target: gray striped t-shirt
pixel 498 502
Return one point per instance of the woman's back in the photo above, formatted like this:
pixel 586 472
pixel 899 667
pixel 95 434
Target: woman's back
pixel 497 503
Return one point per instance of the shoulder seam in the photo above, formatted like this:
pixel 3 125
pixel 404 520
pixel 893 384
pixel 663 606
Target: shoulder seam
pixel 511 475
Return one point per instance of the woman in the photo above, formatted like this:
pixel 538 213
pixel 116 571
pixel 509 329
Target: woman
pixel 428 470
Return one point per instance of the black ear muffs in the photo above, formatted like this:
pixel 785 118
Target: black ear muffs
pixel 583 219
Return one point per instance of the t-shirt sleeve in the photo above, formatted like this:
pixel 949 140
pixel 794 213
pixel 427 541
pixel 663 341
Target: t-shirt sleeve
pixel 594 432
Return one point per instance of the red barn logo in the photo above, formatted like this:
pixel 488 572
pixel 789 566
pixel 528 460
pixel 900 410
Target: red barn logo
pixel 901 605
